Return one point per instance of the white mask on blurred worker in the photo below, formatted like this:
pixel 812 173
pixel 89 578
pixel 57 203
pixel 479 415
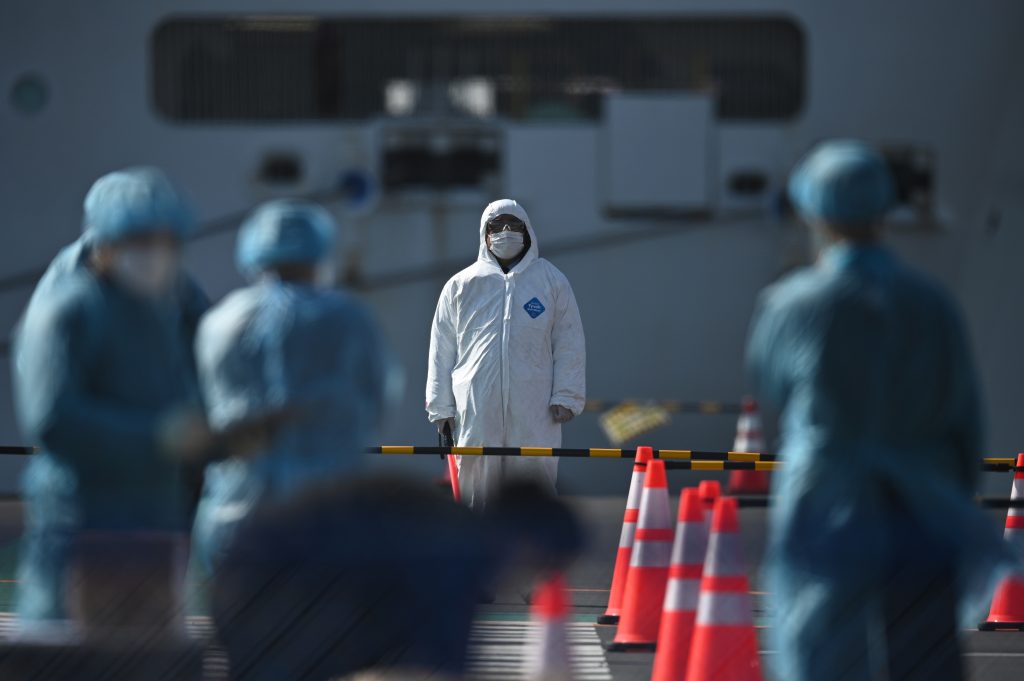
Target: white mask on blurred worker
pixel 506 245
pixel 148 271
pixel 326 275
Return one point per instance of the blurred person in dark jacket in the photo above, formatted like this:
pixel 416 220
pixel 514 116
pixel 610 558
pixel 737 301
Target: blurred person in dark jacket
pixel 379 573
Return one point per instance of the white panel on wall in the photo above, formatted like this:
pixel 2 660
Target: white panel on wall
pixel 657 151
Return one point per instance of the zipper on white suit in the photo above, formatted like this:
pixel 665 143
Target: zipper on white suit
pixel 505 370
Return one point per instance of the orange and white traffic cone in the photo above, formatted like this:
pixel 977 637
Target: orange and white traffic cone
pixel 724 642
pixel 749 439
pixel 709 491
pixel 625 552
pixel 1007 610
pixel 681 596
pixel 550 660
pixel 648 566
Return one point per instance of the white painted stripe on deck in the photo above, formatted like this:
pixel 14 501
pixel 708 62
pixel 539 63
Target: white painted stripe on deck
pixel 497 650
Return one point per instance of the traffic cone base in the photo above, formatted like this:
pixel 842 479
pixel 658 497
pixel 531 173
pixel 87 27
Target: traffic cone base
pixel 671 659
pixel 618 647
pixel 647 587
pixel 622 556
pixel 725 653
pixel 1003 615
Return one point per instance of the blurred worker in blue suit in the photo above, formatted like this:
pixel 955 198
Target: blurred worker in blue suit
pixel 292 349
pixel 378 573
pixel 104 381
pixel 875 539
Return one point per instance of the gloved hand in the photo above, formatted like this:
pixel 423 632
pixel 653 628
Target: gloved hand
pixel 445 433
pixel 561 414
pixel 183 434
pixel 440 425
pixel 246 439
pixel 254 435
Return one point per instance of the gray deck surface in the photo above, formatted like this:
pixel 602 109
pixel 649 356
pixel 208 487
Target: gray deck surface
pixel 990 656
pixel 498 650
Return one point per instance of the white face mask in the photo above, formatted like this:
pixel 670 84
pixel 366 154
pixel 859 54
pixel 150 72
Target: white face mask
pixel 819 242
pixel 326 275
pixel 507 244
pixel 146 270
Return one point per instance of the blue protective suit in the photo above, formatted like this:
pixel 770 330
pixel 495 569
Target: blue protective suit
pixel 881 431
pixel 277 346
pixel 96 368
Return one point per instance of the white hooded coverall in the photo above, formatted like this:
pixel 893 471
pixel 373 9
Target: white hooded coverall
pixel 504 348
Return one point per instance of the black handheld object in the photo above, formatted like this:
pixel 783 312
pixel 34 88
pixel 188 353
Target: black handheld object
pixel 445 438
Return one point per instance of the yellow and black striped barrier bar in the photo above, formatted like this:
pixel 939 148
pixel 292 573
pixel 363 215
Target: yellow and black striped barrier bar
pixel 999 464
pixel 675 455
pixel 671 406
pixel 677 459
pixel 17 450
pixel 672 455
pixel 506 451
pixel 703 465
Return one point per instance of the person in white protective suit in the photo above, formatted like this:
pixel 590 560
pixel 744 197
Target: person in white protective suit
pixel 507 355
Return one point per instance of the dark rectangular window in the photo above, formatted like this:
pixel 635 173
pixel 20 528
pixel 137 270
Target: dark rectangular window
pixel 306 68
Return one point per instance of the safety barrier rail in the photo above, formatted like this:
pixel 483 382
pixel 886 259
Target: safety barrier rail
pixel 595 453
pixel 676 459
pixel 706 407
